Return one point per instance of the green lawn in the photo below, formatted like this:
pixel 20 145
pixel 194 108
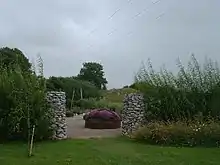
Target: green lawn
pixel 106 152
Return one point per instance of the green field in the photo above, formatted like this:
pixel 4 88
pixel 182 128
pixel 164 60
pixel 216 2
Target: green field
pixel 105 152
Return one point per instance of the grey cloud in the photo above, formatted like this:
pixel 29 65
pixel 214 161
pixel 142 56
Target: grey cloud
pixel 70 32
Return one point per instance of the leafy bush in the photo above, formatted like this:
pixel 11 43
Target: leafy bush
pixel 86 103
pixel 180 133
pixel 69 114
pixel 23 105
pixel 95 103
pixel 192 91
pixel 102 114
pixel 118 106
pixel 11 57
pixel 74 110
pixel 72 86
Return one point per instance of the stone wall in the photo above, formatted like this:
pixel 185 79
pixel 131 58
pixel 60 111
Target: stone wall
pixel 133 113
pixel 57 101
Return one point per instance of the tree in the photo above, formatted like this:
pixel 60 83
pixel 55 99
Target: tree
pixel 70 85
pixel 13 58
pixel 93 72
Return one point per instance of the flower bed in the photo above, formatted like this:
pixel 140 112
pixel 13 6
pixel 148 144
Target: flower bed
pixel 102 119
pixel 181 133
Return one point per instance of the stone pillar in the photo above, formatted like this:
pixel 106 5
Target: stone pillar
pixel 133 115
pixel 57 101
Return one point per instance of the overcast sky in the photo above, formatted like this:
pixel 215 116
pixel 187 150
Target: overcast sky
pixel 118 33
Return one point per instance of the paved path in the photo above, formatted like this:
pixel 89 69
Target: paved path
pixel 75 129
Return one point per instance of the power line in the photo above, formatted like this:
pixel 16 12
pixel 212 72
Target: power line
pixel 161 15
pixel 135 16
pixel 112 32
pixel 156 1
pixel 112 15
pixel 140 13
pixel 157 18
pixel 146 9
pixel 118 10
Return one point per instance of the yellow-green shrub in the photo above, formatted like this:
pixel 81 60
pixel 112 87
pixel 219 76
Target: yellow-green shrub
pixel 180 133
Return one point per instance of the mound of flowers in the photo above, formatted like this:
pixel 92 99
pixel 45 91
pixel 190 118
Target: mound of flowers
pixel 102 119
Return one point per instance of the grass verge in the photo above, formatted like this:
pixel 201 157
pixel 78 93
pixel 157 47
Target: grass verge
pixel 109 151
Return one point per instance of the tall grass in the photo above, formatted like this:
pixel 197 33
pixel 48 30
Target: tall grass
pixel 193 91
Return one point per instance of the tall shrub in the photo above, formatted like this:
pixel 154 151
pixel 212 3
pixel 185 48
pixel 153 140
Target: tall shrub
pixel 189 93
pixel 23 104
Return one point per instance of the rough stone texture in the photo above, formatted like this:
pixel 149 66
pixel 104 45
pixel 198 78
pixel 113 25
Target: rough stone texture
pixel 133 113
pixel 57 101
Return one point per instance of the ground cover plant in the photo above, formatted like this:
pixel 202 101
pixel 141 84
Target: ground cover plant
pixel 106 151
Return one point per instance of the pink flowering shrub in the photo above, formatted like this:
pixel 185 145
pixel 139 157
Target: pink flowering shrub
pixel 102 114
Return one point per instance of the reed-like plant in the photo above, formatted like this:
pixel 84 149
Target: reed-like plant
pixel 192 91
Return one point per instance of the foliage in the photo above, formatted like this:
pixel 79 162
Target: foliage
pixel 69 114
pixel 74 110
pixel 93 72
pixel 23 104
pixel 193 91
pixel 118 106
pixel 10 58
pixel 86 103
pixel 94 103
pixel 117 95
pixel 192 133
pixel 72 86
pixel 101 114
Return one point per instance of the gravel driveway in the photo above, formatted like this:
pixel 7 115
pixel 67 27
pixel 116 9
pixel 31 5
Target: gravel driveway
pixel 75 129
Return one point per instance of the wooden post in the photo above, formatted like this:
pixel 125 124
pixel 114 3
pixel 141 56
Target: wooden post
pixel 32 141
pixel 71 106
pixel 81 93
